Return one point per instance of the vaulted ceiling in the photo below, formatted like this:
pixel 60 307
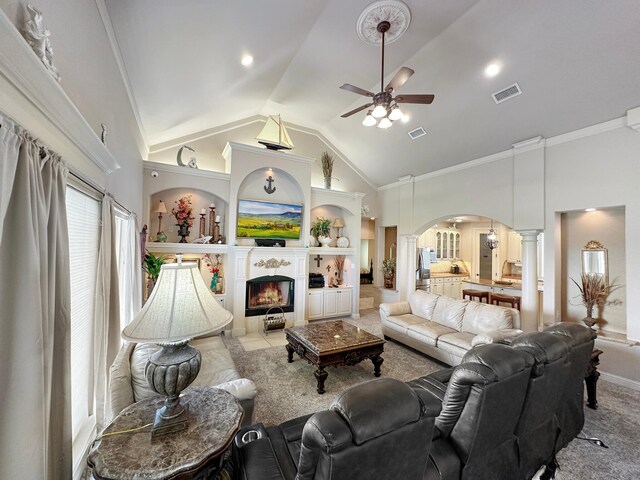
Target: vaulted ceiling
pixel 576 62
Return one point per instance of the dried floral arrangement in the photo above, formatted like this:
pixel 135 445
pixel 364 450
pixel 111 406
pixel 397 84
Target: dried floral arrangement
pixel 327 164
pixel 338 262
pixel 215 266
pixel 594 291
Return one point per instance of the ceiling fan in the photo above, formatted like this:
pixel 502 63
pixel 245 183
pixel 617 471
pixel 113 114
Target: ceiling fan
pixel 385 105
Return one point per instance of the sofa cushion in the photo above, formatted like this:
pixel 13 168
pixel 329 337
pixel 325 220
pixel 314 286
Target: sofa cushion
pixel 480 318
pixel 403 321
pixel 217 365
pixel 449 311
pixel 428 332
pixel 460 340
pixel 423 303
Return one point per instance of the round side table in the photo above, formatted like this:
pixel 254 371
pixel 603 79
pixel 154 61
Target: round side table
pixel 197 452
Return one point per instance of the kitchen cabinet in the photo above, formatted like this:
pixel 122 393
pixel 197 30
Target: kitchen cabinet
pixel 449 286
pixel 515 247
pixel 329 302
pixel 448 243
pixel 427 239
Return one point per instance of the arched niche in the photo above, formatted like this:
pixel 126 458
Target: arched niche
pixel 286 189
pixel 200 199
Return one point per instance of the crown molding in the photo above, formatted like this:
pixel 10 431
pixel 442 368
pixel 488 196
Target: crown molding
pixel 195 172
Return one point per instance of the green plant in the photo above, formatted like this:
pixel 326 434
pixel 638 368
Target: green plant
pixel 327 164
pixel 321 227
pixel 389 266
pixel 152 265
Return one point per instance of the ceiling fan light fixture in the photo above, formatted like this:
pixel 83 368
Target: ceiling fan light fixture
pixel 379 112
pixel 369 120
pixel 385 123
pixel 396 114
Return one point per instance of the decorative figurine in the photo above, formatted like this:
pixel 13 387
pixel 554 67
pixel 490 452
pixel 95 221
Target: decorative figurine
pixel 37 36
pixel 179 156
pixel 103 135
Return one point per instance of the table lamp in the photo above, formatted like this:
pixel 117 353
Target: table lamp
pixel 338 224
pixel 180 308
pixel 160 237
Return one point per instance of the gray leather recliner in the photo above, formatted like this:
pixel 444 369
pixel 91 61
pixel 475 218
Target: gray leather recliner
pixel 379 429
pixel 482 398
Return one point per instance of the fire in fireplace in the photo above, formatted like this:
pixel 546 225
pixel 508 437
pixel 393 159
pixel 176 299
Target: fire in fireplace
pixel 268 292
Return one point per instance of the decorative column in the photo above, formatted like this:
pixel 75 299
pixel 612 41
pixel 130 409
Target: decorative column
pixel 529 303
pixel 406 265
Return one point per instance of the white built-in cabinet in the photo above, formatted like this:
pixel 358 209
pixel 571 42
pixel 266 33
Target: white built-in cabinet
pixel 329 302
pixel 447 243
pixel 515 247
pixel 427 239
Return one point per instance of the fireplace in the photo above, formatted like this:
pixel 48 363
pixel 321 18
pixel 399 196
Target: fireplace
pixel 268 292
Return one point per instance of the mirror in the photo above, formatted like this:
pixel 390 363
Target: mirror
pixel 594 260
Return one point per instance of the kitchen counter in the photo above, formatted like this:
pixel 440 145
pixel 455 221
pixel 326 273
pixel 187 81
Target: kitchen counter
pixel 492 284
pixel 444 274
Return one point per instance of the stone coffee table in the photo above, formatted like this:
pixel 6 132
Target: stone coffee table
pixel 333 343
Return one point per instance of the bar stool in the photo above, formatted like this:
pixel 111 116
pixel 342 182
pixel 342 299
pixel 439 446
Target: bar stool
pixel 512 300
pixel 479 294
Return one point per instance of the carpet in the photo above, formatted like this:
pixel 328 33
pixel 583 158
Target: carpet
pixel 288 390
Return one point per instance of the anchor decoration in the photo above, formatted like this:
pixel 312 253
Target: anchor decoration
pixel 270 189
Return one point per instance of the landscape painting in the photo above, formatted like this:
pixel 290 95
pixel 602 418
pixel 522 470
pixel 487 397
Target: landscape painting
pixel 268 220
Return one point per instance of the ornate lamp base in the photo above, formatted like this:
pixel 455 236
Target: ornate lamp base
pixel 169 371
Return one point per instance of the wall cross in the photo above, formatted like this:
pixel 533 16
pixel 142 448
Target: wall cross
pixel 317 260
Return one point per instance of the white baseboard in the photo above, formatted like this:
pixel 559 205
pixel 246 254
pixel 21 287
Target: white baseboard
pixel 625 382
pixel 355 316
pixel 238 332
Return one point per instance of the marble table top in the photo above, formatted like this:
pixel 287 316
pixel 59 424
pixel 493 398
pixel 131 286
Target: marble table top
pixel 328 336
pixel 214 418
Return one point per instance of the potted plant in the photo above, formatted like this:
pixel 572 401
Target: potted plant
pixel 594 291
pixel 152 265
pixel 321 229
pixel 388 271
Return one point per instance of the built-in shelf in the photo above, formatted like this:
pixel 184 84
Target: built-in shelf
pixel 165 247
pixel 332 251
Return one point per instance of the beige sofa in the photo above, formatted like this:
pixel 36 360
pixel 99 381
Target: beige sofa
pixel 446 328
pixel 128 383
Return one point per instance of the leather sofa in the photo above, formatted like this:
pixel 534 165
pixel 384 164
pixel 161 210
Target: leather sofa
pixel 508 410
pixel 128 384
pixel 502 413
pixel 446 328
pixel 379 429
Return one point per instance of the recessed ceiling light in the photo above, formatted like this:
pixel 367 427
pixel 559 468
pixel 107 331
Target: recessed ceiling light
pixel 373 218
pixel 246 60
pixel 589 209
pixel 492 70
pixel 458 220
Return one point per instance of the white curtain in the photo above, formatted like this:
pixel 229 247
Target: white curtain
pixel 107 311
pixel 35 387
pixel 130 270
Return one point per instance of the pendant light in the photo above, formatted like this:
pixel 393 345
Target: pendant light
pixel 492 238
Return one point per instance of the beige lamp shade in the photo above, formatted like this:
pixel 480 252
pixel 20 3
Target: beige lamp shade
pixel 161 207
pixel 338 223
pixel 180 307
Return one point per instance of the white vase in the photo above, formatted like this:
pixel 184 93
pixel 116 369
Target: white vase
pixel 324 241
pixel 342 242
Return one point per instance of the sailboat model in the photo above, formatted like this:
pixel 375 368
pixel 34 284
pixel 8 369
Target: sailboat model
pixel 274 136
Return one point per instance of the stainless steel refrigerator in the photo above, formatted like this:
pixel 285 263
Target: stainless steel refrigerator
pixel 424 258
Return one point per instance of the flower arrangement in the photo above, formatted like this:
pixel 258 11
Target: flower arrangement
pixel 321 227
pixel 184 210
pixel 215 268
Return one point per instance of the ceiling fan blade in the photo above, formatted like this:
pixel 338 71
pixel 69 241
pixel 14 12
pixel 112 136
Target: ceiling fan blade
pixel 426 99
pixel 356 110
pixel 358 90
pixel 398 80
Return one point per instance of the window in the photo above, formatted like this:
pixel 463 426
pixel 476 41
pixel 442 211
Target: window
pixel 83 213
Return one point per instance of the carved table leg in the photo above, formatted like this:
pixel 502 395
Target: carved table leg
pixel 377 363
pixel 321 376
pixel 591 379
pixel 290 351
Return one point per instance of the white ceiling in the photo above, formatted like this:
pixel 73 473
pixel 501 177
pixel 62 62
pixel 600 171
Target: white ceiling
pixel 575 60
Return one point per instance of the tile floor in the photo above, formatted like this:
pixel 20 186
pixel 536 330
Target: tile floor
pixel 258 340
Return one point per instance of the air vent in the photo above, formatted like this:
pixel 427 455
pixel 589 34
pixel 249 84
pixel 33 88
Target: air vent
pixel 509 92
pixel 417 133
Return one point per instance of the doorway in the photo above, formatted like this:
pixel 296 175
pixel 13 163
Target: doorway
pixel 486 259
